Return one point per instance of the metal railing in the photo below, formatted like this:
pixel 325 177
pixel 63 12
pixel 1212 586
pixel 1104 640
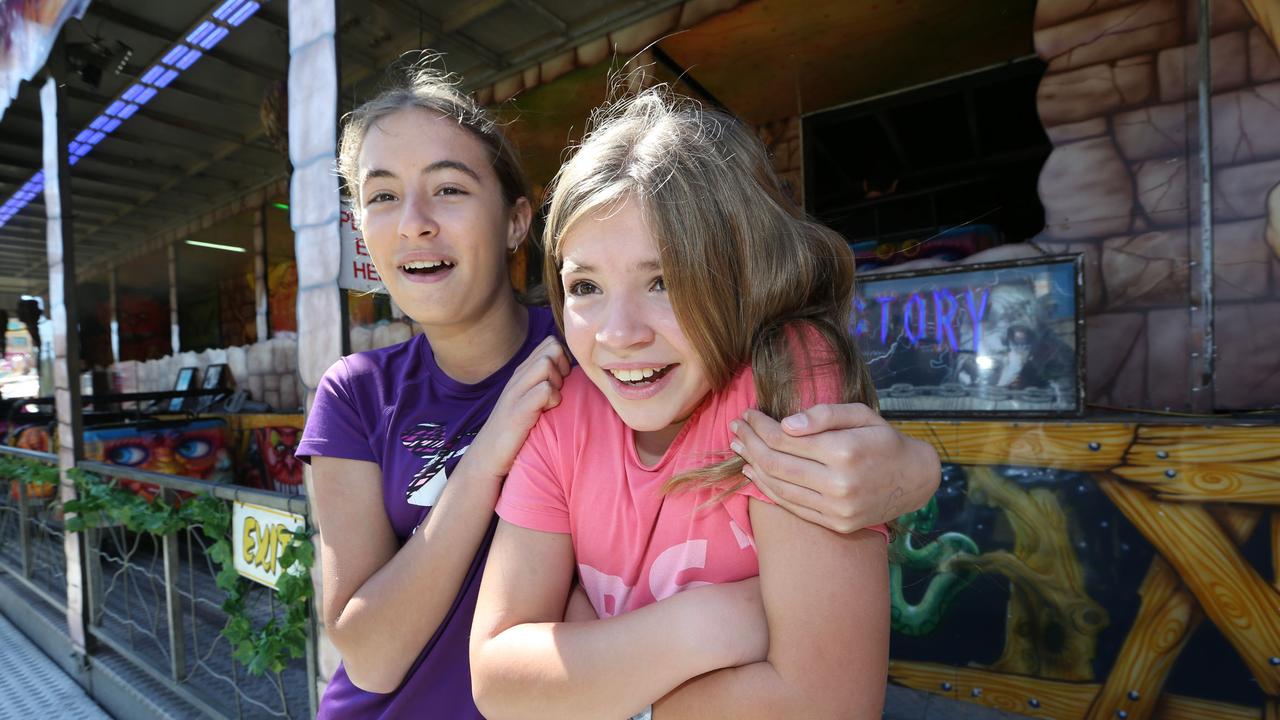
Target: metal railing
pixel 32 542
pixel 153 599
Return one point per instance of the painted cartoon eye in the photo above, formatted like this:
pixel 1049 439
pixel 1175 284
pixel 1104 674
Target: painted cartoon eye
pixel 131 455
pixel 193 449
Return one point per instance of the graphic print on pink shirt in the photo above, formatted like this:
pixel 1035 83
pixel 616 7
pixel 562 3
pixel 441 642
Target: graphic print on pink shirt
pixel 579 473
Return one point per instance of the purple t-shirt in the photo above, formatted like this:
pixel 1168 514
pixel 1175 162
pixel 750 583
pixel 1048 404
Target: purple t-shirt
pixel 396 408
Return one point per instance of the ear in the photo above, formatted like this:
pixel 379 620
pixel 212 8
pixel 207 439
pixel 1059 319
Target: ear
pixel 518 223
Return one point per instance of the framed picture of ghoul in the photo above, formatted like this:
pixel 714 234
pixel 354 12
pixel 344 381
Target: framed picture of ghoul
pixel 993 339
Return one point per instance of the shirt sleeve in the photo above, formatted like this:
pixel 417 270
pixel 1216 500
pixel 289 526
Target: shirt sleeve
pixel 817 371
pixel 334 427
pixel 533 496
pixel 818 377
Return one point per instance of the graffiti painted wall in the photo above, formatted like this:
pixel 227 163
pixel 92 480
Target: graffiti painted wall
pixel 1119 102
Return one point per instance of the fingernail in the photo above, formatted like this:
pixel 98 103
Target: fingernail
pixel 797 422
pixel 736 447
pixel 748 472
pixel 733 426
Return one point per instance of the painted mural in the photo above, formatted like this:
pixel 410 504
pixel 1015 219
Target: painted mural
pixel 1095 570
pixel 1119 102
pixel 192 448
pixel 268 459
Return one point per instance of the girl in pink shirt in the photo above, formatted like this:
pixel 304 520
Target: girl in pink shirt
pixel 689 289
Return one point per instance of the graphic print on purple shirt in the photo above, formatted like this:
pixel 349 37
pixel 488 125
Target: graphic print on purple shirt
pixel 427 441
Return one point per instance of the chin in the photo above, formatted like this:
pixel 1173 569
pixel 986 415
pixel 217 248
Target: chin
pixel 644 422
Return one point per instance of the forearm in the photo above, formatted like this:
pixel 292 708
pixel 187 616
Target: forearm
pixel 919 480
pixel 758 691
pixel 387 622
pixel 609 668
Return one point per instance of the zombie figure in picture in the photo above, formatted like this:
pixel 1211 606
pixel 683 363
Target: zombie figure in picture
pixel 1033 357
pixel 430 442
pixel 272 464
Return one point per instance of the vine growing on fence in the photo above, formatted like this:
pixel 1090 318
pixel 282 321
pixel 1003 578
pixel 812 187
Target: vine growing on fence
pixel 101 502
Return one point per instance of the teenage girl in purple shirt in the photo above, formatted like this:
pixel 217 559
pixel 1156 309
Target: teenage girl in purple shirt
pixel 409 445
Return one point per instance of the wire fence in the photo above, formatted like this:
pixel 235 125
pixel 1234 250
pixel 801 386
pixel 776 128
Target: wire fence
pixel 154 599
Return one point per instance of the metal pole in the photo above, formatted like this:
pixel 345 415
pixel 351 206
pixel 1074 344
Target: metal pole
pixel 66 339
pixel 1201 252
pixel 24 526
pixel 113 302
pixel 173 599
pixel 260 290
pixel 175 337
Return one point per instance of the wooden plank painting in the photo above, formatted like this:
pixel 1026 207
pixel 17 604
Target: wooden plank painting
pixel 1134 567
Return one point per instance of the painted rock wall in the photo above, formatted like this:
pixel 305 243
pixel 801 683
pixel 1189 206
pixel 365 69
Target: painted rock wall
pixel 1119 104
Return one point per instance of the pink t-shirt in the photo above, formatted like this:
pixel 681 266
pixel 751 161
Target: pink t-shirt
pixel 579 473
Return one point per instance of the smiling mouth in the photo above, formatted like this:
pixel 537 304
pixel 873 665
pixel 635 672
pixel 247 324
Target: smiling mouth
pixel 641 376
pixel 426 267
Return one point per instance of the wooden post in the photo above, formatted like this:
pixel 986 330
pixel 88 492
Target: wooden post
pixel 66 338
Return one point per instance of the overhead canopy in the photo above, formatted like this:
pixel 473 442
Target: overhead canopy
pixel 216 132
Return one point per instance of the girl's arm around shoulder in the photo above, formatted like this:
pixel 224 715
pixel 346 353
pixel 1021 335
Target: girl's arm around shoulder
pixel 826 598
pixel 526 663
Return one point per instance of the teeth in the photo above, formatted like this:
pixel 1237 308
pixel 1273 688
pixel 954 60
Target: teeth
pixel 635 375
pixel 425 264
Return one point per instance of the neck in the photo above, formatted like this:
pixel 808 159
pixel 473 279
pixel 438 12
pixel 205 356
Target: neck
pixel 472 351
pixel 651 445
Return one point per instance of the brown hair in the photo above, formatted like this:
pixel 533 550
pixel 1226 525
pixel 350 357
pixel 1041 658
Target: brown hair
pixel 744 267
pixel 423 85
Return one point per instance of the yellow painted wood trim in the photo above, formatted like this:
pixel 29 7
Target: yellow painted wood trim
pixel 1056 699
pixel 1244 607
pixel 1203 444
pixel 1255 483
pixel 1166 620
pixel 1267 14
pixel 1068 446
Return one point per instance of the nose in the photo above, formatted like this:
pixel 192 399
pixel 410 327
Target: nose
pixel 623 326
pixel 416 217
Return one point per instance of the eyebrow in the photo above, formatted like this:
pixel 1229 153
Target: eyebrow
pixel 573 267
pixel 436 166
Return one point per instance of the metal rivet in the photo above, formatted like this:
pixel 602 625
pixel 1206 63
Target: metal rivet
pixel 1033 703
pixel 1104 524
pixel 1162 454
pixel 1133 695
pixel 1095 446
pixel 1274 660
pixel 1122 714
pixel 1171 473
pixel 976 692
pixel 946 686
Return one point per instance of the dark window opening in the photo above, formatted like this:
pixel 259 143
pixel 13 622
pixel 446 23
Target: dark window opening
pixel 939 171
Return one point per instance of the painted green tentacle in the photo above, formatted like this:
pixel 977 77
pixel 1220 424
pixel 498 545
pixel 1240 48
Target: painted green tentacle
pixel 924 616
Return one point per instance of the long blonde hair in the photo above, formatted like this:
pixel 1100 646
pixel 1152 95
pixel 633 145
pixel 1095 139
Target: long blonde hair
pixel 741 262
